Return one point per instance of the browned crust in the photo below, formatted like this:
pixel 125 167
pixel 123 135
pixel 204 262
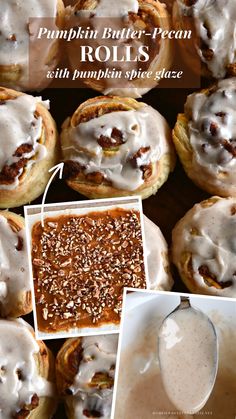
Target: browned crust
pixel 34 179
pixel 23 301
pixel 67 364
pixel 102 105
pixel 66 371
pixel 97 187
pixel 46 367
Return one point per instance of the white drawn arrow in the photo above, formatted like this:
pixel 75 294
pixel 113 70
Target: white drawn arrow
pixel 58 168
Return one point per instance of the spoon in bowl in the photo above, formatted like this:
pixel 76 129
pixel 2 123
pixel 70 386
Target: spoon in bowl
pixel 188 357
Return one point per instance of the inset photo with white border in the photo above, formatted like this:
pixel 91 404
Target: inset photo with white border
pixel 176 357
pixel 82 255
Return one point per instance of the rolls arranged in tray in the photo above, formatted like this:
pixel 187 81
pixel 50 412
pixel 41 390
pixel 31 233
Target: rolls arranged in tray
pixel 17 29
pixel 85 369
pixel 204 247
pixel 205 138
pixel 116 146
pixel 29 147
pixel 15 286
pixel 134 15
pixel 213 24
pixel 27 373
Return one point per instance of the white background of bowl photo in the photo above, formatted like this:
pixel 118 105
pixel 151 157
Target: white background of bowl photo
pixel 143 310
pixel 33 215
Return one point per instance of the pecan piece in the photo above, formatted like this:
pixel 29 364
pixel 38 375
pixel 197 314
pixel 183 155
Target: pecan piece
pixel 25 411
pixel 207 53
pixel 95 177
pixel 230 146
pixel 12 38
pixel 23 149
pixel 147 171
pixel 213 128
pixel 9 173
pixel 190 2
pixel 138 155
pixel 71 169
pixel 92 413
pixel 221 114
pixel 38 262
pixel 231 70
pixel 233 210
pixel 115 140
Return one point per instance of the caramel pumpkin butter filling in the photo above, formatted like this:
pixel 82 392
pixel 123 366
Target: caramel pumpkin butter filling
pixel 81 265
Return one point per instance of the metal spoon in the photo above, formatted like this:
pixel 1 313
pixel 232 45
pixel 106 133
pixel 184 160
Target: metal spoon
pixel 188 356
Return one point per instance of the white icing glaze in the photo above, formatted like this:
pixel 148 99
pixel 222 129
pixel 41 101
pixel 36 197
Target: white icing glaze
pixel 218 166
pixel 100 353
pixel 14 19
pixel 159 276
pixel 115 8
pixel 19 125
pixel 213 246
pixel 140 389
pixel 140 128
pixel 218 16
pixel 188 358
pixel 17 350
pixel 14 271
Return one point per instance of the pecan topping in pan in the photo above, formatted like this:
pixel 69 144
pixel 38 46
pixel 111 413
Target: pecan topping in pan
pixel 81 265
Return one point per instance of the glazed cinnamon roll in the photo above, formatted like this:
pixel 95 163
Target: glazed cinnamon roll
pixel 205 138
pixel 15 295
pixel 85 369
pixel 28 147
pixel 204 247
pixel 133 15
pixel 116 147
pixel 214 22
pixel 26 373
pixel 158 266
pixel 16 32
